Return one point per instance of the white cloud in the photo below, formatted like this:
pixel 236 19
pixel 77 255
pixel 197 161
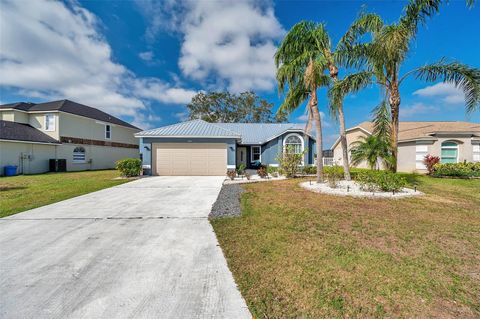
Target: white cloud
pixel 182 116
pixel 146 56
pixel 232 42
pixel 447 92
pixel 325 123
pixel 54 50
pixel 415 109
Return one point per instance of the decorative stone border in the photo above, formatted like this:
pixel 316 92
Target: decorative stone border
pixel 350 188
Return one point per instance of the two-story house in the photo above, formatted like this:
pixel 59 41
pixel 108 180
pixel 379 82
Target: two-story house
pixel 87 138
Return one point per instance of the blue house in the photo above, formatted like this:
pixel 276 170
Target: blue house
pixel 200 148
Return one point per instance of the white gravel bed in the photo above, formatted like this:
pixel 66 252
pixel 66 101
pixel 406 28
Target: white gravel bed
pixel 354 190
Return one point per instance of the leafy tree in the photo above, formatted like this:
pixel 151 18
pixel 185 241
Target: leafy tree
pixel 300 68
pixel 226 107
pixel 371 149
pixel 384 55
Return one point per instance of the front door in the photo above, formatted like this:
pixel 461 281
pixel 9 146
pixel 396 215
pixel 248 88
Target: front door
pixel 241 155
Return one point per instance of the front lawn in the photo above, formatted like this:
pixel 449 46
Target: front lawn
pixel 298 254
pixel 20 193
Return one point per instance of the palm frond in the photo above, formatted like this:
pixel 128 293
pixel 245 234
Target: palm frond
pixel 461 75
pixel 297 94
pixel 365 23
pixel 416 12
pixel 350 84
pixel 382 121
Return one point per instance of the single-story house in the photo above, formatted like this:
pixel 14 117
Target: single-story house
pixel 86 138
pixel 451 141
pixel 200 148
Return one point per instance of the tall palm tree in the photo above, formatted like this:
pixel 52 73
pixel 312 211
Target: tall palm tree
pixel 387 51
pixel 300 70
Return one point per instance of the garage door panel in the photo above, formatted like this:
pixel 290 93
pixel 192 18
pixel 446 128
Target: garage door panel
pixel 190 158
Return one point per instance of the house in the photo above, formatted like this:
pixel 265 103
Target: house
pixel 31 134
pixel 200 148
pixel 451 141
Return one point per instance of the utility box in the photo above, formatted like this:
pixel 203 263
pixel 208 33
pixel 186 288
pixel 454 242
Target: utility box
pixel 58 165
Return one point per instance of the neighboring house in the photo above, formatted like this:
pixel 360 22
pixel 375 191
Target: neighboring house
pixel 200 148
pixel 87 138
pixel 451 141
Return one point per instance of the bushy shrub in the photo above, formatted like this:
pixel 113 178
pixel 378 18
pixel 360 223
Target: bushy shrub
pixel 231 174
pixel 272 171
pixel 241 169
pixel 129 167
pixel 457 169
pixel 334 174
pixel 262 171
pixel 385 181
pixel 430 161
pixel 290 162
pixel 310 169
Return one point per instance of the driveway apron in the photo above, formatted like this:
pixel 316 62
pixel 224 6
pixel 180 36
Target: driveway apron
pixel 144 249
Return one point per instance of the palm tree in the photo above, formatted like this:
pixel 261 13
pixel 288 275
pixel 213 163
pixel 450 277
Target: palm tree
pixel 371 149
pixel 300 69
pixel 385 54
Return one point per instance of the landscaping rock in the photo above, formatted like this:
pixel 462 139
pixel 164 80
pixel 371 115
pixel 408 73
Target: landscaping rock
pixel 228 202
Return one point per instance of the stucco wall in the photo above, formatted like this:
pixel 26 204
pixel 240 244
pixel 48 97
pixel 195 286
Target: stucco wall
pixel 102 157
pixel 37 120
pixel 36 161
pixel 352 136
pixel 14 116
pixel 82 127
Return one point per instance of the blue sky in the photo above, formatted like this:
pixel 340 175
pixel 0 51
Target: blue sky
pixel 142 60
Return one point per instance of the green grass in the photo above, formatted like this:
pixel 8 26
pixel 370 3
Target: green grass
pixel 20 193
pixel 298 254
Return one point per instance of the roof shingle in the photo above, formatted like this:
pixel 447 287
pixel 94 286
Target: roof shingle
pixel 15 131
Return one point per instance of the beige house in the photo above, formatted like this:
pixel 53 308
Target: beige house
pixel 451 141
pixel 87 138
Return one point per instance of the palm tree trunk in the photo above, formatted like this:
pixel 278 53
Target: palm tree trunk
pixel 318 131
pixel 343 134
pixel 394 101
pixel 343 142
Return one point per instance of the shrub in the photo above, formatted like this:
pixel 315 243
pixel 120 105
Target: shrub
pixel 272 170
pixel 290 162
pixel 241 169
pixel 262 171
pixel 430 161
pixel 310 170
pixel 457 169
pixel 385 181
pixel 231 174
pixel 334 174
pixel 129 167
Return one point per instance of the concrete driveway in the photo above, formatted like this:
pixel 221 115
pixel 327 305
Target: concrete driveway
pixel 144 249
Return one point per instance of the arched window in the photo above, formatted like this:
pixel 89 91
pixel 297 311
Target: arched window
pixel 449 152
pixel 79 155
pixel 293 142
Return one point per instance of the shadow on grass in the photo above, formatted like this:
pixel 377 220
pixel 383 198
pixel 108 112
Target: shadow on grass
pixel 11 188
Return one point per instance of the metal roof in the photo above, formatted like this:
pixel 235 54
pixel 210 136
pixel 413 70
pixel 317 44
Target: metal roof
pixel 250 133
pixel 260 133
pixel 193 128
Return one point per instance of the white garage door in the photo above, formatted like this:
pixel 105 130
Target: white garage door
pixel 193 159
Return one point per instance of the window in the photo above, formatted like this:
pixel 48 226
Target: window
pixel 256 153
pixel 449 152
pixel 293 142
pixel 108 131
pixel 79 155
pixel 476 152
pixel 50 122
pixel 421 150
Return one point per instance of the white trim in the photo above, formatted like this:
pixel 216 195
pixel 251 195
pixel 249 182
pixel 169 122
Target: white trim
pixel 251 153
pixel 110 131
pixel 450 148
pixel 289 130
pixel 19 141
pixel 231 166
pixel 84 161
pixel 294 134
pixel 347 131
pixel 12 109
pixel 103 123
pixel 46 122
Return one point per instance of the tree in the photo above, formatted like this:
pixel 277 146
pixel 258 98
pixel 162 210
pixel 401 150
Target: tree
pixel 300 68
pixel 371 149
pixel 384 55
pixel 226 107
